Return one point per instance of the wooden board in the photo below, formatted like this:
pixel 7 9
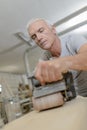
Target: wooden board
pixel 71 116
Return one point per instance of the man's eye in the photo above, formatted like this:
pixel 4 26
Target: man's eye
pixel 41 30
pixel 33 37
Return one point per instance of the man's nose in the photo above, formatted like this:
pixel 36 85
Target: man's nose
pixel 38 36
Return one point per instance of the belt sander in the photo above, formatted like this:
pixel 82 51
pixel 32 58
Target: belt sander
pixel 49 95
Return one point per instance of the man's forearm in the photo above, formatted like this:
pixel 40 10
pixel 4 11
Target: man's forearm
pixel 52 70
pixel 76 62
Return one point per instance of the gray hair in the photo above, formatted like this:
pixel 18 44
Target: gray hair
pixel 37 19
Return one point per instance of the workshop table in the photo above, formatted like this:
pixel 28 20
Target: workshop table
pixel 71 116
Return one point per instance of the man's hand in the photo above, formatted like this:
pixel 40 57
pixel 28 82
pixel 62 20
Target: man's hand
pixel 49 71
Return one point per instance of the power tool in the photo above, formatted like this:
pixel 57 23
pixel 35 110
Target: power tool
pixel 46 96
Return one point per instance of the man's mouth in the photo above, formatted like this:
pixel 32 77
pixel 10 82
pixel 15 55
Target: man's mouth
pixel 43 43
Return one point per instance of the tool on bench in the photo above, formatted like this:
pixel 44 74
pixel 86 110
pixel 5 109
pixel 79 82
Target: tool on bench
pixel 47 96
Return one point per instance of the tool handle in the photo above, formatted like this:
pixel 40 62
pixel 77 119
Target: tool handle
pixel 68 77
pixel 35 82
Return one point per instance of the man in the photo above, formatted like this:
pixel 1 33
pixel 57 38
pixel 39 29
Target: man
pixel 69 54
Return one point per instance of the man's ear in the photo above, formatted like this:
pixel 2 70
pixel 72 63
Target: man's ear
pixel 53 30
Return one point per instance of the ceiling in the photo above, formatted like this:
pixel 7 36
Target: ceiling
pixel 15 14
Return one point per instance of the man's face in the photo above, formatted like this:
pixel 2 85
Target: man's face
pixel 42 33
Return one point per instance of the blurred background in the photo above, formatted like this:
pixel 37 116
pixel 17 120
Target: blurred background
pixel 19 55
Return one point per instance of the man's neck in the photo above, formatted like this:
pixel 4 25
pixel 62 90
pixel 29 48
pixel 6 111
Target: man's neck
pixel 56 48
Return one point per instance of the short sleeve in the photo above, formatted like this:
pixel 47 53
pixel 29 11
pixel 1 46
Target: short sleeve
pixel 76 41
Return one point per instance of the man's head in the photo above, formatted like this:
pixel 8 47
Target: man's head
pixel 43 33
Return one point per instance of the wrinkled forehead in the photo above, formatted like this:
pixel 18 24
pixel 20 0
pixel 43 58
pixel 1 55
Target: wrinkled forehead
pixel 34 26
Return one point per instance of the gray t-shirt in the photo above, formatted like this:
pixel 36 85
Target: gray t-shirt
pixel 70 45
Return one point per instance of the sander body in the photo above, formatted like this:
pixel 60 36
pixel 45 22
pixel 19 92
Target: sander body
pixel 53 94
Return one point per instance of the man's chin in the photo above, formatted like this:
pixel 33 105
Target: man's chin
pixel 46 48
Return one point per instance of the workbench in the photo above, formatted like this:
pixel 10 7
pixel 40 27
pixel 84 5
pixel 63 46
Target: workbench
pixel 71 116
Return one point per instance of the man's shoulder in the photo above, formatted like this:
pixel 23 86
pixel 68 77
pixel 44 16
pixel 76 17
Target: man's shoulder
pixel 72 35
pixel 67 36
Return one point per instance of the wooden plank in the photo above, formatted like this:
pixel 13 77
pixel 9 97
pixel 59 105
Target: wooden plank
pixel 71 116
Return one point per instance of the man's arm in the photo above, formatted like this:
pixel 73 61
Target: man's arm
pixel 78 61
pixel 49 71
